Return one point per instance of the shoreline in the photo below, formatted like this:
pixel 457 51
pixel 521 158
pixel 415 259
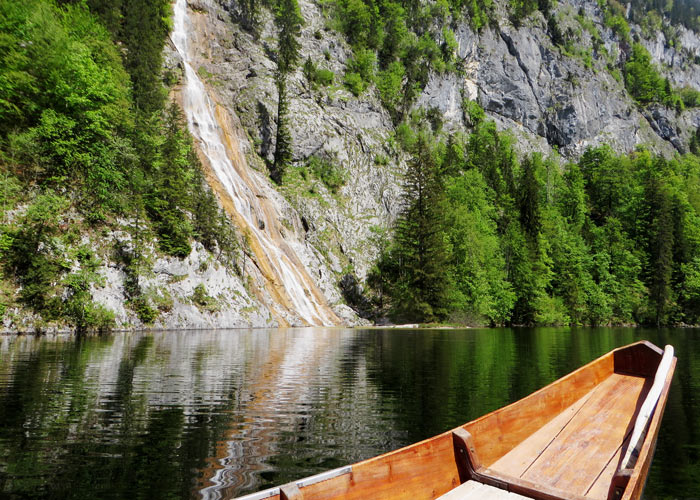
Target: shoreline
pixel 54 332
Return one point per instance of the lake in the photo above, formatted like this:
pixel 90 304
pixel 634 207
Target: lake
pixel 217 414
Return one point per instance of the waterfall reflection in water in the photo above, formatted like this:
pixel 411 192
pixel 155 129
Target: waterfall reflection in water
pixel 216 414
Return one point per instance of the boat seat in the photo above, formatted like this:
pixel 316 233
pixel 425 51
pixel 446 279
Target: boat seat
pixel 472 490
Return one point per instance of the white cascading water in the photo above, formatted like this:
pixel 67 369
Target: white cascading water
pixel 245 193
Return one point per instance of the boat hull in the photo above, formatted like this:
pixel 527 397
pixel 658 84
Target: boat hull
pixel 564 441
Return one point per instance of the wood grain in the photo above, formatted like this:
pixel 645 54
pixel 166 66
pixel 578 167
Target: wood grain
pixel 641 359
pixel 636 484
pixel 576 457
pixel 426 470
pixel 516 462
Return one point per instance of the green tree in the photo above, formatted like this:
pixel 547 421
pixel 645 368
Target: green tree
pixel 250 15
pixel 422 288
pixel 481 290
pixel 493 155
pixel 396 33
pixel 529 192
pixel 288 20
pixel 146 24
pixel 658 211
pixel 283 141
pixel 169 197
pixel 34 258
pixel 643 80
pixel 357 22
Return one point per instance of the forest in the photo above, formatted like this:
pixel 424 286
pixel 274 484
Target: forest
pixel 488 237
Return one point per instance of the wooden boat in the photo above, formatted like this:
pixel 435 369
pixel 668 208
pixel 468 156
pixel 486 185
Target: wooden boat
pixel 588 435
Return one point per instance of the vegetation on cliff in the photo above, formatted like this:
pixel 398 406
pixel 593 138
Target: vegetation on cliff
pixel 87 143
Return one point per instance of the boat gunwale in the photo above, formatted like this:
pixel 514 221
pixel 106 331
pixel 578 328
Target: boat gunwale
pixel 635 486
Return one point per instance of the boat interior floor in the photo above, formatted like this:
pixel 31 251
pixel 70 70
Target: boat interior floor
pixel 580 449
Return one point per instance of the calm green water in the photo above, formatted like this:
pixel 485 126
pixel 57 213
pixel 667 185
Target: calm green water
pixel 217 414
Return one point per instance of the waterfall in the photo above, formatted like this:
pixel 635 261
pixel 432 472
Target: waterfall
pixel 288 283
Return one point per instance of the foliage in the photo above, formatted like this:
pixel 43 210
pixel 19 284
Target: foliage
pixel 355 83
pixel 78 304
pixel 145 27
pixel 643 80
pixel 55 279
pixel 473 112
pixel 482 292
pixel 389 85
pixel 283 141
pixel 317 76
pixel 685 12
pixel 690 97
pixel 614 18
pixel 611 239
pixel 84 136
pixel 420 287
pixel 521 9
pixel 360 71
pixel 202 299
pixel 395 45
pixel 288 21
pixel 329 172
pixel 250 15
pixel 480 12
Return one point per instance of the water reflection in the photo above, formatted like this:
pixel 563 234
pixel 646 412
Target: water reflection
pixel 217 414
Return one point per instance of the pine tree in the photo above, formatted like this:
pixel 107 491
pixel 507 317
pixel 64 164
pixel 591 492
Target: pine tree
pixel 694 145
pixel 288 20
pixel 662 254
pixel 529 196
pixel 423 286
pixel 283 143
pixel 110 13
pixel 250 15
pixel 660 241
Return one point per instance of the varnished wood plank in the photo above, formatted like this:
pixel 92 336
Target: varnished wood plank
pixel 499 432
pixel 524 487
pixel 599 489
pixel 645 412
pixel 578 455
pixel 641 359
pixel 423 471
pixel 516 462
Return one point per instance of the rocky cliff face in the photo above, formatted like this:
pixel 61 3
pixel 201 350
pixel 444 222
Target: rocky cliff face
pixel 551 99
pixel 328 123
pixel 546 97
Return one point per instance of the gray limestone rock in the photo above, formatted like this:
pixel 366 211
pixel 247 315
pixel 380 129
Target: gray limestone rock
pixel 546 97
